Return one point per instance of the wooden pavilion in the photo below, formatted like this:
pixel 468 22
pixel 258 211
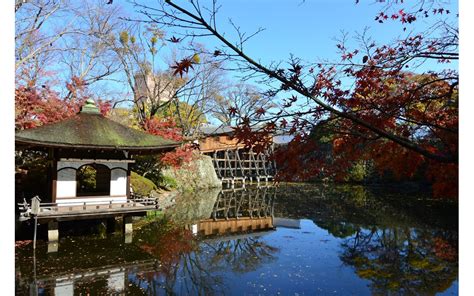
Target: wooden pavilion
pixel 83 145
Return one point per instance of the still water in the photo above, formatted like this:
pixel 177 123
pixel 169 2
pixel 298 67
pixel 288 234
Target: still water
pixel 303 239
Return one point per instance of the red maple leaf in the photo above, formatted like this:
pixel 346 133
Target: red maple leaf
pixel 182 67
pixel 232 111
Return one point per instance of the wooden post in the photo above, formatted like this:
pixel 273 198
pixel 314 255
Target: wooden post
pixel 272 148
pixel 35 209
pixel 239 161
pixel 53 231
pixel 34 234
pixel 127 224
pixel 128 181
pixel 54 173
pixel 218 167
pixel 225 164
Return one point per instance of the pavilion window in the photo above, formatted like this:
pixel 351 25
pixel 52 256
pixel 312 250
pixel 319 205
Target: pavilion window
pixel 93 180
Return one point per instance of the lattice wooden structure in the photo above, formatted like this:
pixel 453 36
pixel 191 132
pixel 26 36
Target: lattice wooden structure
pixel 233 162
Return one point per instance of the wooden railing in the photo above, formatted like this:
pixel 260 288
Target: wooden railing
pixel 70 209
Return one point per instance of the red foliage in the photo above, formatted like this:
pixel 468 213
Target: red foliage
pixel 418 109
pixel 104 106
pixel 445 179
pixel 290 158
pixel 165 128
pixel 179 156
pixel 257 139
pixel 37 106
pixel 182 66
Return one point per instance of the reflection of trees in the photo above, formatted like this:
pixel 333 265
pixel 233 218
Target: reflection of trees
pixel 164 257
pixel 190 207
pixel 342 209
pixel 190 268
pixel 402 243
pixel 338 229
pixel 241 255
pixel 403 260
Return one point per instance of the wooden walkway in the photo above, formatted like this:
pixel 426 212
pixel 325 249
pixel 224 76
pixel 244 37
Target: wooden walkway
pixel 85 210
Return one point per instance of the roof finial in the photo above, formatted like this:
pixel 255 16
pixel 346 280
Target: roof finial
pixel 90 107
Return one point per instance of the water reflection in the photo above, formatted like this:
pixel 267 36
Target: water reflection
pixel 406 246
pixel 403 260
pixel 306 239
pixel 226 211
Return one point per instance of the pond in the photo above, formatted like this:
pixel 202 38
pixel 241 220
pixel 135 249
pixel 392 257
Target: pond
pixel 297 239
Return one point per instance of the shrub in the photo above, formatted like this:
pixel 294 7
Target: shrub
pixel 141 185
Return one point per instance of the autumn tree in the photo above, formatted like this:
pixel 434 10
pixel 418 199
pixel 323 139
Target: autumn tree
pixel 197 99
pixel 56 41
pixel 238 101
pixel 402 127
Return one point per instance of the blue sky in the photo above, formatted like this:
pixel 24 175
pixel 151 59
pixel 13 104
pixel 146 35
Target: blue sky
pixel 307 28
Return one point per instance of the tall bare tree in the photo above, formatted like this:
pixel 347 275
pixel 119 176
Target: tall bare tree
pixel 58 40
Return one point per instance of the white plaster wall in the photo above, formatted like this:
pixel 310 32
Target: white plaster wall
pixel 66 183
pixel 118 182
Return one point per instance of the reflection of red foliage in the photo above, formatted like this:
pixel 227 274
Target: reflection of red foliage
pixel 444 250
pixel 170 247
pixel 19 244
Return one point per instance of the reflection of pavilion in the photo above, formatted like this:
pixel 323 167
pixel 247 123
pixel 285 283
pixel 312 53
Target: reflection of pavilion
pixel 239 210
pixel 237 217
pixel 114 278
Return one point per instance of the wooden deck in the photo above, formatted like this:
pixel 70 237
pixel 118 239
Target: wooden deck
pixel 84 210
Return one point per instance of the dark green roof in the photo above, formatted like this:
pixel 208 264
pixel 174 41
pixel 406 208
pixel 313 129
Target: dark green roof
pixel 89 129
